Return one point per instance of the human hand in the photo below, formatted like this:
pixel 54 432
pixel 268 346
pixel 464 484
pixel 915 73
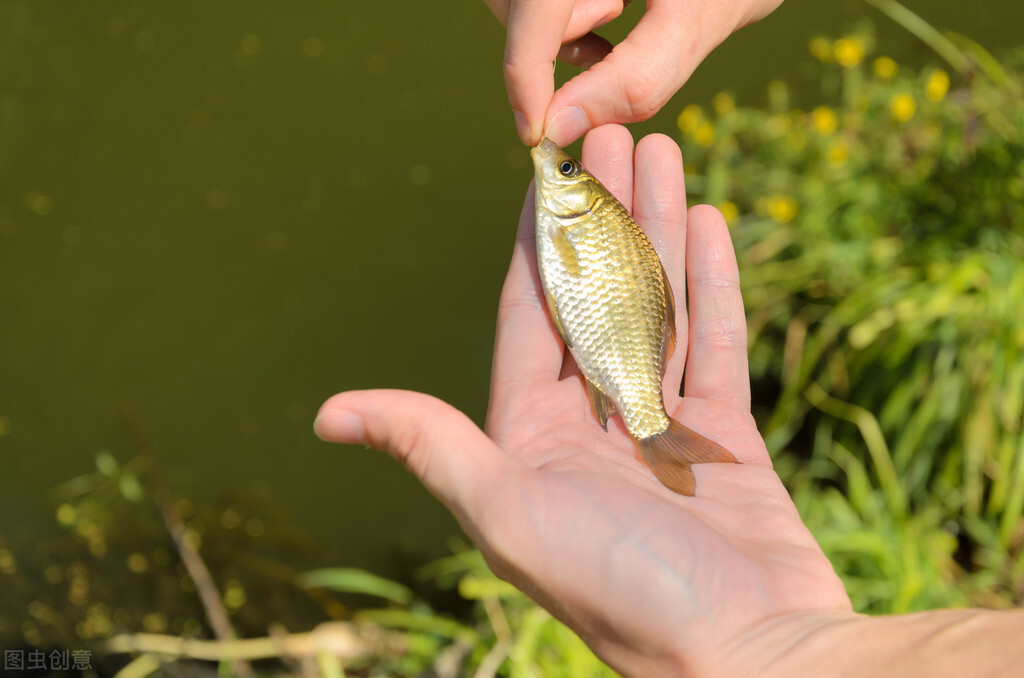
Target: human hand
pixel 656 583
pixel 627 84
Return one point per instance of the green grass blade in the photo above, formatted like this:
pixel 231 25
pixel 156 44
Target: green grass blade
pixel 923 31
pixel 874 440
pixel 352 580
pixel 988 63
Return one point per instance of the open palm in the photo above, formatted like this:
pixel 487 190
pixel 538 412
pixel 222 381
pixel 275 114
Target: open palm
pixel 653 581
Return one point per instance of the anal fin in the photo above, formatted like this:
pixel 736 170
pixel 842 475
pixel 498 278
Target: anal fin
pixel 670 454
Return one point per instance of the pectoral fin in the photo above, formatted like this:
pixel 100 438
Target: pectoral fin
pixel 601 404
pixel 566 253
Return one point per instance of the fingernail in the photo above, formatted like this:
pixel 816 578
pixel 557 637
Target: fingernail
pixel 568 125
pixel 339 426
pixel 522 127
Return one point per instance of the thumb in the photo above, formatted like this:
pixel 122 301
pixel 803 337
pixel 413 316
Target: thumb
pixel 439 444
pixel 642 72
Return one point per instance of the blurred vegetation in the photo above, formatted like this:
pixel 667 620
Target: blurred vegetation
pixel 122 585
pixel 879 237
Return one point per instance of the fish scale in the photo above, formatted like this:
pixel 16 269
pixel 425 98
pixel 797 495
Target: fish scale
pixel 615 333
pixel 611 303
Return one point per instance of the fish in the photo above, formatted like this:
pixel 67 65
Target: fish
pixel 611 303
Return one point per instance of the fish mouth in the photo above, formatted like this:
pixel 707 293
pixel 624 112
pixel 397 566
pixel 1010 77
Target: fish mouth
pixel 542 155
pixel 545 149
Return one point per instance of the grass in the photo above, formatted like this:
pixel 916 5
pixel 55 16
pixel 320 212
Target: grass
pixel 880 235
pixel 880 245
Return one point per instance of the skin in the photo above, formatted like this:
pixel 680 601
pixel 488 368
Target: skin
pixel 726 583
pixel 627 82
pixel 564 510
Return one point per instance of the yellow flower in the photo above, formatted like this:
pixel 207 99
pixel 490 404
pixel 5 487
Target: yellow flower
pixel 690 118
pixel 781 208
pixel 824 120
pixel 849 52
pixel 723 103
pixel 937 86
pixel 821 49
pixel 902 107
pixel 704 135
pixel 729 211
pixel 885 68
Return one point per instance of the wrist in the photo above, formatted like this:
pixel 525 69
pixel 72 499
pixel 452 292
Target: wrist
pixel 837 645
pixel 793 644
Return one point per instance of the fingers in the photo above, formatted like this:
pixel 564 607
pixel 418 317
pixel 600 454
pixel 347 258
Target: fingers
pixel 608 156
pixel 717 352
pixel 627 84
pixel 585 52
pixel 539 32
pixel 526 346
pixel 440 445
pixel 632 83
pixel 586 14
pixel 643 72
pixel 659 206
pixel 535 34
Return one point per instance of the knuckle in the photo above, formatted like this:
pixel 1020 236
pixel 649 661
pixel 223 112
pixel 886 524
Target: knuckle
pixel 644 92
pixel 516 72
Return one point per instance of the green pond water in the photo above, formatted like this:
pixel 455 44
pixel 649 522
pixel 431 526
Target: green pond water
pixel 224 213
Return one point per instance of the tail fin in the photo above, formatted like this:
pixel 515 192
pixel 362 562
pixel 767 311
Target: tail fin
pixel 669 455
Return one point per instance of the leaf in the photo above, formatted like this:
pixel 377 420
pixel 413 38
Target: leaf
pixel 924 31
pixel 353 580
pixel 130 487
pixel 989 64
pixel 106 464
pixel 476 588
pixel 418 621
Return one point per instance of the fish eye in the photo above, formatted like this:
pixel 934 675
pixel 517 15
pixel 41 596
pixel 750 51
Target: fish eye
pixel 567 167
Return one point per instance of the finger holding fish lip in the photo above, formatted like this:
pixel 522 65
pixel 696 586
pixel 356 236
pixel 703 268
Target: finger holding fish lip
pixel 536 30
pixel 539 32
